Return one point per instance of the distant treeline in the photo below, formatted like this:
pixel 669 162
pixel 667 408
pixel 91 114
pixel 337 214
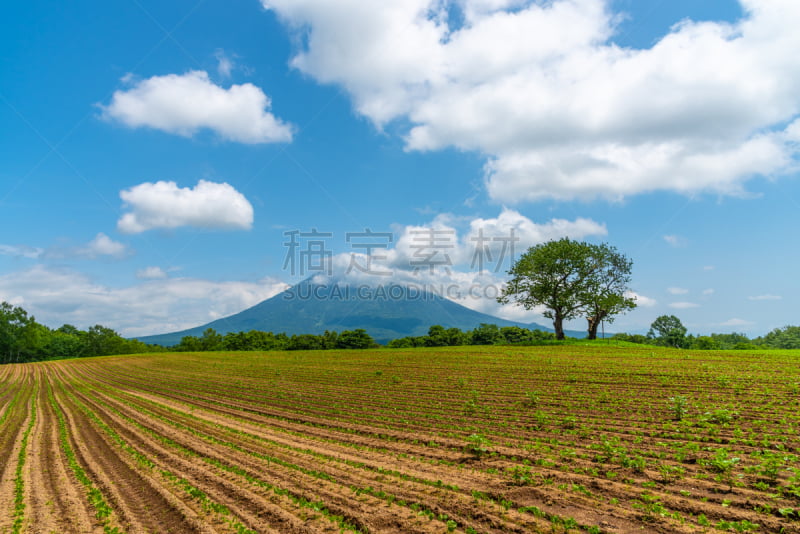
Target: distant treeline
pixel 438 336
pixel 787 337
pixel 22 339
pixel 257 340
pixel 485 334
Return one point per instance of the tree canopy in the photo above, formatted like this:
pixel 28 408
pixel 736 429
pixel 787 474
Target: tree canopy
pixel 22 339
pixel 571 279
pixel 668 330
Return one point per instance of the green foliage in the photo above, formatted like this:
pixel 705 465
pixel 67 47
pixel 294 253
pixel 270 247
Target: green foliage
pixel 22 339
pixel 678 406
pixel 787 337
pixel 532 399
pixel 487 334
pixel 608 293
pixel 438 336
pixel 723 464
pixel 571 278
pixel 521 475
pixel 477 445
pixel 668 331
pixel 257 340
pixel 355 339
pixel 705 343
pixel 631 338
pixel 719 416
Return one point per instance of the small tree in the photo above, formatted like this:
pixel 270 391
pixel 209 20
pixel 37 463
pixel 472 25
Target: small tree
pixel 668 330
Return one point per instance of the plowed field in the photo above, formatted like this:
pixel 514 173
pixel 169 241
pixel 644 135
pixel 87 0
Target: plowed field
pixel 467 439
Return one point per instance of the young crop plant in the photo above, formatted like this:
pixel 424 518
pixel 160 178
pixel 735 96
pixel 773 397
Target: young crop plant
pixel 477 445
pixel 670 473
pixel 678 407
pixel 719 416
pixel 723 464
pixel 532 399
pixel 521 475
pixel 471 404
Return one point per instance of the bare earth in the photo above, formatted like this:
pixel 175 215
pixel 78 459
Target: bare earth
pixel 575 439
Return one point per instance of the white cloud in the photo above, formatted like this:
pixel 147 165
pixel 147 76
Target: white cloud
pixel 675 240
pixel 765 297
pixel 225 63
pixel 151 273
pixel 102 245
pixel 641 300
pixel 559 109
pixel 491 243
pixel 735 322
pixel 683 305
pixel 677 291
pixel 185 104
pixel 165 205
pixel 455 274
pixel 496 233
pixel 21 251
pixel 708 291
pixel 57 296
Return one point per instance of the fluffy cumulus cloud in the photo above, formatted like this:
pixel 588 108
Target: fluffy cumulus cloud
pixel 57 296
pixel 641 300
pixel 497 233
pixel 151 273
pixel 165 205
pixel 560 110
pixel 102 245
pixel 187 103
pixel 480 244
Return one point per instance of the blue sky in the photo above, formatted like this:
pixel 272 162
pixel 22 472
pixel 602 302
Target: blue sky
pixel 154 154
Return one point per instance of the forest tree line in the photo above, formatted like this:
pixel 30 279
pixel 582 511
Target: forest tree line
pixel 23 339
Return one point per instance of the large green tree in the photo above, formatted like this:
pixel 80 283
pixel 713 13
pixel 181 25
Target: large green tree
pixel 555 275
pixel 571 279
pixel 607 293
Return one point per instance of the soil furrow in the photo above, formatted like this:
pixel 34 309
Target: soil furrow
pixel 141 507
pixel 10 445
pixel 57 502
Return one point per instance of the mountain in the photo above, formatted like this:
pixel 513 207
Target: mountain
pixel 385 312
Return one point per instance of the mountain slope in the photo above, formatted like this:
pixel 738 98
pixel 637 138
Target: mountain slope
pixel 385 312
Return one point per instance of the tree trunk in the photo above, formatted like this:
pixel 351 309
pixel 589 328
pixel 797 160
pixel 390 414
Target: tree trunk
pixel 558 326
pixel 594 322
